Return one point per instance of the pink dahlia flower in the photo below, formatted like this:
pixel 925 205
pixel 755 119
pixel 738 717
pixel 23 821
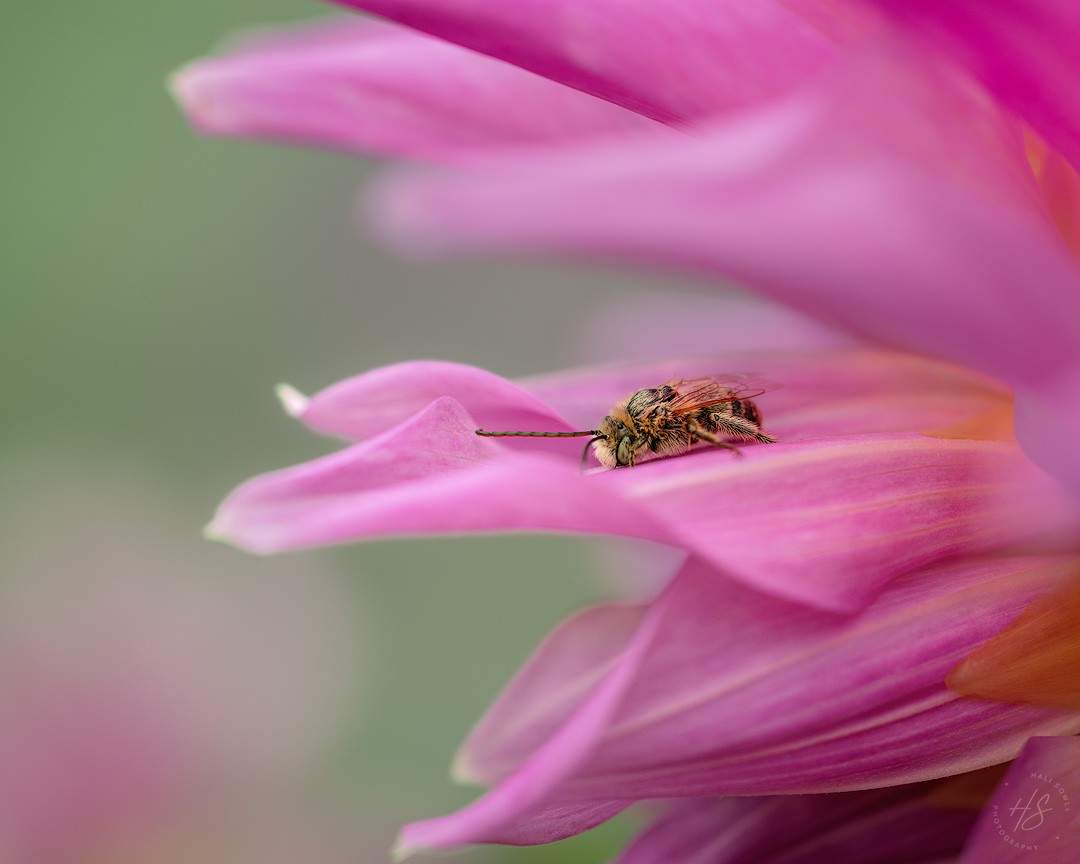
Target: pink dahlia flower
pixel 904 172
pixel 894 498
pixel 858 173
pixel 857 492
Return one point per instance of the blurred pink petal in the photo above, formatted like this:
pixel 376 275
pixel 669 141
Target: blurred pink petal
pixel 147 681
pixel 895 824
pixel 676 320
pixel 675 62
pixel 1024 52
pixel 1032 814
pixel 849 487
pixel 368 87
pixel 721 690
pixel 919 226
pixel 1060 186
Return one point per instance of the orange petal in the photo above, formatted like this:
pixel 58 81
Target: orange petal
pixel 1036 660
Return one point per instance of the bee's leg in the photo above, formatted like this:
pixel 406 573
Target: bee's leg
pixel 740 427
pixel 699 434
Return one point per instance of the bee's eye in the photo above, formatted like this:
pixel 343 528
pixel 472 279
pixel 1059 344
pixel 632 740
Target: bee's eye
pixel 625 451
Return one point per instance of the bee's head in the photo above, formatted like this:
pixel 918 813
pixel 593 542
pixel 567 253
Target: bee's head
pixel 614 446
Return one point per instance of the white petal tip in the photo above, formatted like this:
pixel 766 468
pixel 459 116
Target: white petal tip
pixel 462 773
pixel 212 531
pixel 188 88
pixel 401 850
pixel 292 400
pixel 175 84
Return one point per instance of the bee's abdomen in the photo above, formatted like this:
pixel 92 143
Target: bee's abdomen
pixel 747 410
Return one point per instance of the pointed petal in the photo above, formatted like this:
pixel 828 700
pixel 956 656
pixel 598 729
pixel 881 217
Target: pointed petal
pixel 733 692
pixel 568 665
pixel 431 474
pixel 674 62
pixel 920 226
pixel 1032 814
pixel 819 394
pixel 486 820
pixel 1036 660
pixel 367 87
pixel 1025 53
pixel 895 824
pixel 854 510
pixel 369 404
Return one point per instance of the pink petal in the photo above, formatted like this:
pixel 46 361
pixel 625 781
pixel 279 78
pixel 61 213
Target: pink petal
pixel 548 765
pixel 751 323
pixel 1024 52
pixel 848 506
pixel 1032 814
pixel 725 691
pixel 148 681
pixel 429 475
pixel 366 405
pixel 367 87
pixel 831 522
pixel 674 62
pixel 816 394
pixel 895 824
pixel 919 226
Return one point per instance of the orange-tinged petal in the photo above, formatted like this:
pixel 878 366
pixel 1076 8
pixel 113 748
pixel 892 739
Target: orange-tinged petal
pixel 993 425
pixel 1060 186
pixel 1036 660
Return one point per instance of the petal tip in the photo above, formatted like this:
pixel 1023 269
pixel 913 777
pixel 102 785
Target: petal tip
pixel 401 850
pixel 463 773
pixel 202 91
pixel 185 87
pixel 292 400
pixel 212 531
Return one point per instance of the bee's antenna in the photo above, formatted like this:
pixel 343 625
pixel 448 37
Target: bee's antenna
pixel 588 444
pixel 537 434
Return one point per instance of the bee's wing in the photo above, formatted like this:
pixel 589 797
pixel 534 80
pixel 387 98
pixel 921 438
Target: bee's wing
pixel 694 393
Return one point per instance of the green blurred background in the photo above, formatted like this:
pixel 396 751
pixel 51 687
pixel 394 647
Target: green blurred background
pixel 157 286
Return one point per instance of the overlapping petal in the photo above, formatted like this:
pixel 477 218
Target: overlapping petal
pixel 896 824
pixel 1032 814
pixel 722 690
pixel 430 474
pixel 827 517
pixel 896 200
pixel 1036 660
pixel 675 62
pixel 918 225
pixel 369 87
pixel 1024 52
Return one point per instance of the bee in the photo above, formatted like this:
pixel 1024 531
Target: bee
pixel 670 419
